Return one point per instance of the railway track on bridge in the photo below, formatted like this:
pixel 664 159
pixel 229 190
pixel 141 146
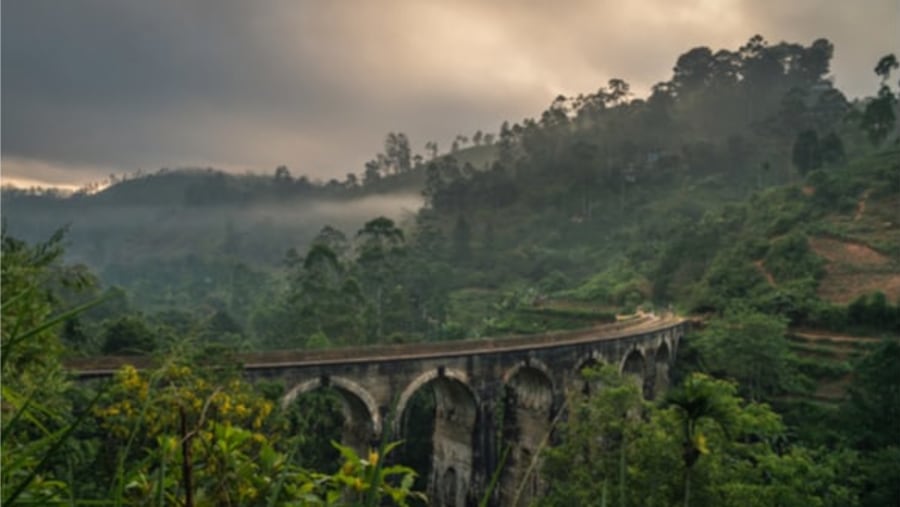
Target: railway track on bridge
pixel 105 366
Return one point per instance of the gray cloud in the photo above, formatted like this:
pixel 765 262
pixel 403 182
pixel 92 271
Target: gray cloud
pixel 94 86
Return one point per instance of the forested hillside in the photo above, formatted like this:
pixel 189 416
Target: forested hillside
pixel 746 175
pixel 745 191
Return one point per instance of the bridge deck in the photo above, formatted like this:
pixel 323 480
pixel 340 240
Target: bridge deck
pixel 107 365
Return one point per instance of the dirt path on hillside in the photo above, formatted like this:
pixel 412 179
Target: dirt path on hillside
pixel 844 288
pixel 848 252
pixel 833 390
pixel 827 336
pixel 854 269
pixel 861 207
pixel 762 270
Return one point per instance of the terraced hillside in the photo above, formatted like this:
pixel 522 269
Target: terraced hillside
pixel 828 359
pixel 862 251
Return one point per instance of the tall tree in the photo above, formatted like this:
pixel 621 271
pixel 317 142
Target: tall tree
pixel 335 240
pixel 462 238
pixel 431 148
pixel 869 421
pixel 873 407
pixel 324 300
pixel 398 154
pixel 381 246
pixel 885 65
pixel 807 153
pixel 372 173
pixel 815 61
pixel 704 447
pixel 751 348
pixel 697 400
pixel 506 144
pixel 282 174
pixel 832 149
pixel 878 119
pixel 693 70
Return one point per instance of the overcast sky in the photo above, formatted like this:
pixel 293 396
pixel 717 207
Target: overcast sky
pixel 91 87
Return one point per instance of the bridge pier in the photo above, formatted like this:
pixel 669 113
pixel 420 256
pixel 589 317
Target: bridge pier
pixel 487 449
pixel 661 362
pixel 528 412
pixel 453 453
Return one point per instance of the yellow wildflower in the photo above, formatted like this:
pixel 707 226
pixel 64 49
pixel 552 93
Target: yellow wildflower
pixel 170 444
pixel 247 491
pixel 700 443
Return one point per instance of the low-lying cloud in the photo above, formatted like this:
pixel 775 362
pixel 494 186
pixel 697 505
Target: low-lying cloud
pixel 103 234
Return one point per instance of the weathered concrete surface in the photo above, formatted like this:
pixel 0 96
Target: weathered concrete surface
pixel 527 425
pixel 489 393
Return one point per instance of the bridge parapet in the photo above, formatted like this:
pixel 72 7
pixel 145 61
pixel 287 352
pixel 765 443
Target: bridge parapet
pixel 106 365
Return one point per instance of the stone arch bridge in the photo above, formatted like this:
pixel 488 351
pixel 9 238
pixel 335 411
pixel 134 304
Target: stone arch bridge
pixel 525 376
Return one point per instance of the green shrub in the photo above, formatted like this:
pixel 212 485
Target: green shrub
pixel 817 368
pixel 791 258
pixel 554 281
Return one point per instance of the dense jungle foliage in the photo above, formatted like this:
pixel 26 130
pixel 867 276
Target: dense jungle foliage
pixel 746 191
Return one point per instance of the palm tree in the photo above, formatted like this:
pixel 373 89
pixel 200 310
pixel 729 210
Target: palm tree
pixel 701 398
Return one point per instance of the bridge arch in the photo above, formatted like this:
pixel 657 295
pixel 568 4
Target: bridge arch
pixel 362 418
pixel 536 366
pixel 452 441
pixel 634 365
pixel 450 377
pixel 662 359
pixel 633 362
pixel 581 384
pixel 590 360
pixel 532 385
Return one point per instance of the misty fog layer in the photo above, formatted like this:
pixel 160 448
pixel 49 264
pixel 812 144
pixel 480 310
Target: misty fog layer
pixel 101 235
